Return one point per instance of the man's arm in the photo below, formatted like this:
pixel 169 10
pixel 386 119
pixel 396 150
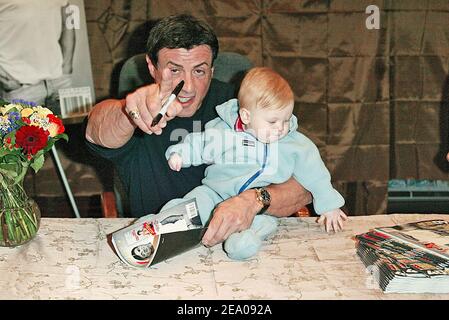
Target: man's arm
pixel 237 213
pixel 67 43
pixel 287 198
pixel 108 125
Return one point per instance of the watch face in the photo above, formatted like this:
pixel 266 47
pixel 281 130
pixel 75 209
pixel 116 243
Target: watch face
pixel 265 196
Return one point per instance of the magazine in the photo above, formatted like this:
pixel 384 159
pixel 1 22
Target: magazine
pixel 77 100
pixel 409 258
pixel 155 238
pixel 58 73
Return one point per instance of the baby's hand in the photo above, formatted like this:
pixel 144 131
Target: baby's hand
pixel 333 219
pixel 175 162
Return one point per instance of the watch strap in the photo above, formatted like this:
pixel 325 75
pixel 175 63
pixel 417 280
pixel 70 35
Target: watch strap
pixel 262 210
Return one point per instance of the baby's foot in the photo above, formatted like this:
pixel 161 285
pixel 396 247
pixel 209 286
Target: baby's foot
pixel 245 244
pixel 264 225
pixel 242 245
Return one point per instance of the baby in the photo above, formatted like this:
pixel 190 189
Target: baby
pixel 254 143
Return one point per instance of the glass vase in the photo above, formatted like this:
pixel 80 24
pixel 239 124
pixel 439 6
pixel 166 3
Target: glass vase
pixel 19 215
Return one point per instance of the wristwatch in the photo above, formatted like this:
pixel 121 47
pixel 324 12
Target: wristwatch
pixel 264 198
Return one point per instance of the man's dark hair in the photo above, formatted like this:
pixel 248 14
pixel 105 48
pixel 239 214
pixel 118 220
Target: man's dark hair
pixel 180 31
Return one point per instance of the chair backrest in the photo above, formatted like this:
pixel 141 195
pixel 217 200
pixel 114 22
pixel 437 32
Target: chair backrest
pixel 133 75
pixel 229 67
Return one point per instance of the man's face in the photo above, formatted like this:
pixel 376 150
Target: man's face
pixel 194 66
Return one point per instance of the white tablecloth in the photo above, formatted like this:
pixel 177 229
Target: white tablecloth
pixel 72 259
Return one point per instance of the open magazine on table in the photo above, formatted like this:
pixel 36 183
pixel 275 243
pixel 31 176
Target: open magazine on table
pixel 157 237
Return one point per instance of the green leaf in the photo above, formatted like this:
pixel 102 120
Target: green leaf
pixel 9 167
pixel 8 174
pixel 49 145
pixel 39 153
pixel 14 109
pixel 11 135
pixel 23 172
pixel 13 156
pixel 62 136
pixel 38 162
pixel 4 152
pixel 21 123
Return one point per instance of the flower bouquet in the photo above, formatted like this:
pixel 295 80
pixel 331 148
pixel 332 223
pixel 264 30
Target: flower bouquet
pixel 27 132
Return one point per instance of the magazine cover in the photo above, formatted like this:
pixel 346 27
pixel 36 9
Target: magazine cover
pixel 155 238
pixel 56 73
pixel 429 235
pixel 78 99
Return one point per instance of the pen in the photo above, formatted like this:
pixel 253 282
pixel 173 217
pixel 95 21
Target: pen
pixel 167 103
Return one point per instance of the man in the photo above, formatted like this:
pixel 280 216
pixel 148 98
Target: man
pixel 178 48
pixel 37 55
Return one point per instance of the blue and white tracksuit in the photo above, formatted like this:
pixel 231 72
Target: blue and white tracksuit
pixel 238 161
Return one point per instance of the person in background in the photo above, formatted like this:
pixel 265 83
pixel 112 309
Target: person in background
pixel 37 51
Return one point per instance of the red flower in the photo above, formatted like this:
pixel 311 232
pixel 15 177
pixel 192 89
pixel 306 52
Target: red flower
pixel 56 126
pixel 31 139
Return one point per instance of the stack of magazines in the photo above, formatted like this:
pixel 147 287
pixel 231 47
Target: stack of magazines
pixel 157 237
pixel 408 258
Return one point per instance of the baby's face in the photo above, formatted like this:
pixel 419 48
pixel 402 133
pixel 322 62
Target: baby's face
pixel 269 125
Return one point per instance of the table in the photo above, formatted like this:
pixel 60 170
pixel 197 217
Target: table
pixel 71 259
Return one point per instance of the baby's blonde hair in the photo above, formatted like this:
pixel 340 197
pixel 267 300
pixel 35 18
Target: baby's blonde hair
pixel 262 87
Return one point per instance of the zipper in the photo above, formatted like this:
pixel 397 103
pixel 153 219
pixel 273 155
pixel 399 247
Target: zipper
pixel 259 172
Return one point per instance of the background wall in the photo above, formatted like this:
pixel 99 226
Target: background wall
pixel 374 101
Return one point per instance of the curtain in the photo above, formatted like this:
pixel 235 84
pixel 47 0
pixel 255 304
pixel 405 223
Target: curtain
pixel 373 100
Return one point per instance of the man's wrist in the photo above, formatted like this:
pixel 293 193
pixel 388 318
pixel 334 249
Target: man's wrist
pixel 250 196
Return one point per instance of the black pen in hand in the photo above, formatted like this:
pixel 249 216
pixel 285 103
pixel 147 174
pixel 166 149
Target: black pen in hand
pixel 167 103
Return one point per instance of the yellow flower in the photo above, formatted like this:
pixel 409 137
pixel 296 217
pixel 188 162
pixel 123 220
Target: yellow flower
pixel 26 112
pixel 42 111
pixel 53 129
pixel 8 107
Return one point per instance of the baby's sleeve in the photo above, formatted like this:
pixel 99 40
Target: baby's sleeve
pixel 198 147
pixel 190 149
pixel 311 172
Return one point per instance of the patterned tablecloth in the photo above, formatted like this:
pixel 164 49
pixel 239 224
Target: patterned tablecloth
pixel 71 259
